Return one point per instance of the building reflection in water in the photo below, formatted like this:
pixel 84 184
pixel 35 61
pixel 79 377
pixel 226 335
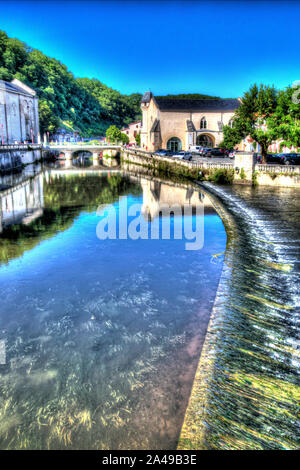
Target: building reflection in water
pixel 21 197
pixel 158 193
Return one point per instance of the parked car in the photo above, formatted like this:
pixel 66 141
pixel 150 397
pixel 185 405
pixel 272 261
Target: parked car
pixel 232 153
pixel 216 152
pixel 274 158
pixel 184 155
pixel 196 149
pixel 285 158
pixel 187 156
pixel 163 153
pixel 204 150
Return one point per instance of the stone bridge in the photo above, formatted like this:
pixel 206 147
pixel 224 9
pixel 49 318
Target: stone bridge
pixel 69 151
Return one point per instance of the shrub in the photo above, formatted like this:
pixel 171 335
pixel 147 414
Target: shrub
pixel 243 174
pixel 254 178
pixel 221 176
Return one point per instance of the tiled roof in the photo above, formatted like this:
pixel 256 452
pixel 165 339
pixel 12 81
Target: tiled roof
pixel 156 126
pixel 190 126
pixel 14 88
pixel 166 104
pixel 146 97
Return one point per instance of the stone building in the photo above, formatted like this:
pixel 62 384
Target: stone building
pixel 65 135
pixel 132 130
pixel 180 123
pixel 19 119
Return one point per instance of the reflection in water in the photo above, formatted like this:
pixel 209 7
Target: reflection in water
pixel 247 390
pixel 102 337
pixel 22 203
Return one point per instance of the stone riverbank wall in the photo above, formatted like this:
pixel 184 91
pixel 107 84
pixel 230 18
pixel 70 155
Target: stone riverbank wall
pixel 14 156
pixel 243 170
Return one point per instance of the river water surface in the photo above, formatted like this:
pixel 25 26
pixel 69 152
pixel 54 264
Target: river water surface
pixel 102 337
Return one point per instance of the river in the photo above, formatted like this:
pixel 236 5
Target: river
pixel 102 336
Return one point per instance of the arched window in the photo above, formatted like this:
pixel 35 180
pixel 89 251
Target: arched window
pixel 174 144
pixel 230 124
pixel 203 123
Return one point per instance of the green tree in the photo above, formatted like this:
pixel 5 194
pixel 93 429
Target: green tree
pixel 285 121
pixel 124 138
pixel 87 104
pixel 48 120
pixel 138 139
pixel 113 134
pixel 250 119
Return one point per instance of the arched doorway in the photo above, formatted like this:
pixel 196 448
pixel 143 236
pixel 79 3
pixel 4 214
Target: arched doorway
pixel 174 144
pixel 204 140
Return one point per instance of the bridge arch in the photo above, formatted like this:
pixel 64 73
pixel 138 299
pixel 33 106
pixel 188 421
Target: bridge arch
pixel 82 152
pixel 82 156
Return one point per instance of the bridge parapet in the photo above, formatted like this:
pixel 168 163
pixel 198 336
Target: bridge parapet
pixel 83 148
pixel 22 147
pixel 282 169
pixel 69 150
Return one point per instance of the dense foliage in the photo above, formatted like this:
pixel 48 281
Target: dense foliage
pixel 82 103
pixel 92 107
pixel 266 115
pixel 250 119
pixel 124 139
pixel 138 139
pixel 285 121
pixel 113 134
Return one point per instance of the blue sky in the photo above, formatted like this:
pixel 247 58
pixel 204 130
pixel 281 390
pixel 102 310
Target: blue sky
pixel 214 47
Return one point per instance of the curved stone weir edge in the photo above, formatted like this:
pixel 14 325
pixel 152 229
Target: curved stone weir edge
pixel 194 425
pixel 245 394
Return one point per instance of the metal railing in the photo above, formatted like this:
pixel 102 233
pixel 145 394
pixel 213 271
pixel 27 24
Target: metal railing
pixel 195 164
pixel 269 168
pixel 6 147
pixel 205 164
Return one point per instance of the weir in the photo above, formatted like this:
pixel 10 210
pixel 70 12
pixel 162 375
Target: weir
pixel 245 393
